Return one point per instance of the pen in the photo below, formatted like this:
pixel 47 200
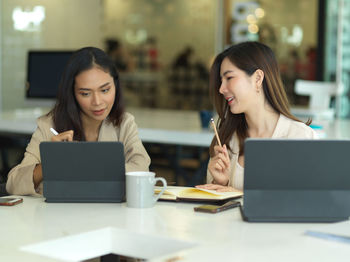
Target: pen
pixel 53 131
pixel 216 132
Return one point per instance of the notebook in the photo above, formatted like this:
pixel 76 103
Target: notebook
pixel 296 180
pixel 83 171
pixel 179 193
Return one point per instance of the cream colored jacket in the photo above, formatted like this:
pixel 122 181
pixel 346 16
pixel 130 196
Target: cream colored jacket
pixel 20 178
pixel 285 128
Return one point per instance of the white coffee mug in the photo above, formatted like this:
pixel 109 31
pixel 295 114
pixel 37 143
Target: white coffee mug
pixel 140 189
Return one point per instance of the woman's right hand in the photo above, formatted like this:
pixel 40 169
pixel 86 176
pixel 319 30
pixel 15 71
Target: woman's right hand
pixel 37 175
pixel 64 136
pixel 219 166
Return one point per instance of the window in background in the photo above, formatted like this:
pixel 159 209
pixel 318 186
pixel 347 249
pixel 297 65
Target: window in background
pixel 155 35
pixel 288 27
pixel 337 50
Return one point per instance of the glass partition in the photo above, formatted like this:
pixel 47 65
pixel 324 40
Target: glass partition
pixel 288 27
pixel 337 50
pixel 162 48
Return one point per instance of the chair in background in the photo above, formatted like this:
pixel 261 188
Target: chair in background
pixel 3 191
pixel 141 88
pixel 12 150
pixel 320 98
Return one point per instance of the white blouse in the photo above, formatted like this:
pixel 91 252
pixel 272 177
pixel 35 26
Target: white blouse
pixel 238 177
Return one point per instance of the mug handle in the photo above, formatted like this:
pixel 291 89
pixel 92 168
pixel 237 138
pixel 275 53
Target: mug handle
pixel 155 198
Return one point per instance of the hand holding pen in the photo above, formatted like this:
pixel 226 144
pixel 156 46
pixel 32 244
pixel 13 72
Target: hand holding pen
pixel 219 165
pixel 64 136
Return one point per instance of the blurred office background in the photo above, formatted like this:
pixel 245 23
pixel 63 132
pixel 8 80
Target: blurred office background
pixel 164 48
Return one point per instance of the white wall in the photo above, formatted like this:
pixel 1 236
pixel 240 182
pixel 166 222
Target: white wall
pixel 68 24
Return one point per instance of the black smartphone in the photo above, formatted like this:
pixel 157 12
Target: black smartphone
pixel 216 208
pixel 10 201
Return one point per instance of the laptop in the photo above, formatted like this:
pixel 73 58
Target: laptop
pixel 83 171
pixel 296 180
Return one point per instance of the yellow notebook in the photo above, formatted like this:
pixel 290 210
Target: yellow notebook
pixel 178 193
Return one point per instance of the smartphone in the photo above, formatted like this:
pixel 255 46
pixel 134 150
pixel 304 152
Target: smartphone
pixel 217 208
pixel 10 201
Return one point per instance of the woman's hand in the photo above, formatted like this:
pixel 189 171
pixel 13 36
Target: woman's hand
pixel 219 166
pixel 64 136
pixel 218 188
pixel 37 175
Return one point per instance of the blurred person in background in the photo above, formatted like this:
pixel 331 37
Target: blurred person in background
pixel 122 60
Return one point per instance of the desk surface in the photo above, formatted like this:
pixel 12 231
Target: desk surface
pixel 217 237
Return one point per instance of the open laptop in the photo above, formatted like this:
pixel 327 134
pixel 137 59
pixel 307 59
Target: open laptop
pixel 296 180
pixel 83 171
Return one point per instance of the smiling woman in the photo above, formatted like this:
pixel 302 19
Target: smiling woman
pixel 251 103
pixel 89 107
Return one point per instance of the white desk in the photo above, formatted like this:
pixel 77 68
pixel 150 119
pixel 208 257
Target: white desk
pixel 155 126
pixel 158 126
pixel 171 127
pixel 218 237
pixel 317 114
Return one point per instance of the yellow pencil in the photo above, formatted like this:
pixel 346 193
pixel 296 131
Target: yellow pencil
pixel 216 132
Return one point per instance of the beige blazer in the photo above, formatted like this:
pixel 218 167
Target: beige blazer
pixel 285 129
pixel 20 178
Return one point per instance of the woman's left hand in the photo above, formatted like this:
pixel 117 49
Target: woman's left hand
pixel 218 188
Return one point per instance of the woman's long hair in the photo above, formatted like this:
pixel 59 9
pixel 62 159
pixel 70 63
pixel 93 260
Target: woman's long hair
pixel 66 112
pixel 248 57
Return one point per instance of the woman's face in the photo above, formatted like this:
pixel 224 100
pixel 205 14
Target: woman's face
pixel 238 88
pixel 95 92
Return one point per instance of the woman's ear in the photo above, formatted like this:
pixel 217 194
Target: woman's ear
pixel 259 78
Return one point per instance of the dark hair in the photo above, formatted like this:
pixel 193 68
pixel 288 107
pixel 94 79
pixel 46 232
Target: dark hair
pixel 248 57
pixel 66 113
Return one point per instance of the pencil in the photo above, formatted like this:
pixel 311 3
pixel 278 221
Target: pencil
pixel 216 132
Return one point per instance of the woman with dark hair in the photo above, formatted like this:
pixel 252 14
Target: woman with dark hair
pixel 251 102
pixel 89 107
